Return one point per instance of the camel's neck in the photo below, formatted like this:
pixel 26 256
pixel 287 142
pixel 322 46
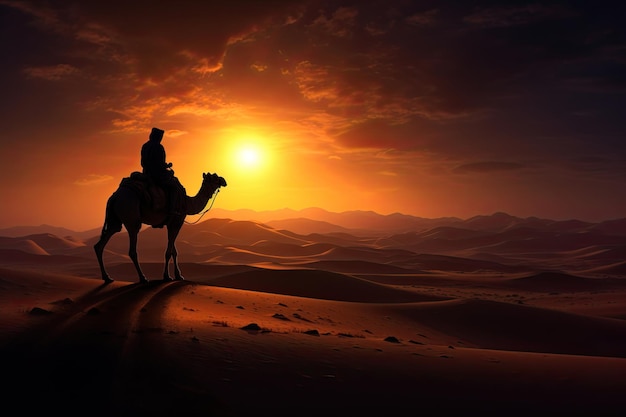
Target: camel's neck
pixel 197 203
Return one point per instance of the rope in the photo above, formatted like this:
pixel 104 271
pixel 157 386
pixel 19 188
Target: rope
pixel 205 211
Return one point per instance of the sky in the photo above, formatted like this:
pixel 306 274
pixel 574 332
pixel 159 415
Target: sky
pixel 427 108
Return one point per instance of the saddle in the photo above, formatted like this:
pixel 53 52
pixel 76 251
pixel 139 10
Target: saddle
pixel 153 196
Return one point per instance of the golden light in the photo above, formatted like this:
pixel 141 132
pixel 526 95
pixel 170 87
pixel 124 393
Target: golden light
pixel 249 157
pixel 253 162
pixel 247 154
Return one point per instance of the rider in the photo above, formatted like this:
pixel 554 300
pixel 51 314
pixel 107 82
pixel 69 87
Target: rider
pixel 154 165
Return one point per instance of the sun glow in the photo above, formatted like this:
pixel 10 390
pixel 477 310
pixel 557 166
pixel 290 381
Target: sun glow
pixel 247 154
pixel 249 157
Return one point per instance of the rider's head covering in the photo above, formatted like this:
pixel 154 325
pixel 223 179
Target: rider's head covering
pixel 156 134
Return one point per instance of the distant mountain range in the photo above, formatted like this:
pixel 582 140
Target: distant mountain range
pixel 359 242
pixel 312 220
pixel 317 220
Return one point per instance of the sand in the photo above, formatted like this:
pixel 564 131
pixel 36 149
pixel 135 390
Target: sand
pixel 307 335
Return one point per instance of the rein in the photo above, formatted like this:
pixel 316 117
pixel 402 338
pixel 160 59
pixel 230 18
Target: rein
pixel 205 211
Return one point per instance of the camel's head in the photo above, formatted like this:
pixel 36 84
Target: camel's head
pixel 214 179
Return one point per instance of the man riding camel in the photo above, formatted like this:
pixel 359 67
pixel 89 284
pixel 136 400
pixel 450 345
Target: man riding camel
pixel 155 166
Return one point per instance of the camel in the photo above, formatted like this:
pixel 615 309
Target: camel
pixel 125 207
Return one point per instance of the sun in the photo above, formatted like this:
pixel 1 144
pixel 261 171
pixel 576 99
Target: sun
pixel 248 157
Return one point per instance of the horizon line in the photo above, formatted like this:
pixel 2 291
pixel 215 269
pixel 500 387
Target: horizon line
pixel 345 212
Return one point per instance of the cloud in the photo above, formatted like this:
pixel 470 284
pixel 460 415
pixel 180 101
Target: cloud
pixel 93 179
pixel 509 16
pixel 176 133
pixel 51 73
pixel 324 49
pixel 423 18
pixel 315 82
pixel 487 167
pixel 341 24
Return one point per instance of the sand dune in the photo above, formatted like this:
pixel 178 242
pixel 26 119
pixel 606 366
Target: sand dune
pixel 53 243
pixel 524 244
pixel 557 281
pixel 358 267
pixel 183 348
pixel 603 253
pixel 615 269
pixel 505 326
pixel 24 245
pixel 240 232
pixel 36 243
pixel 304 226
pixel 17 257
pixel 271 322
pixel 316 284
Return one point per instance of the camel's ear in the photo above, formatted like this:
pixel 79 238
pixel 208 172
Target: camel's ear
pixel 203 175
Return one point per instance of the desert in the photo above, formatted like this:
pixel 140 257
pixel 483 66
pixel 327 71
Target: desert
pixel 312 208
pixel 369 315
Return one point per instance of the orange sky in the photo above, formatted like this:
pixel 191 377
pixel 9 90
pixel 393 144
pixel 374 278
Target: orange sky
pixel 425 108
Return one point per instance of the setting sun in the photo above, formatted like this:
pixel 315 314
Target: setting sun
pixel 247 153
pixel 249 157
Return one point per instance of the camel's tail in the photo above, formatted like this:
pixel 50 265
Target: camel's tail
pixel 112 222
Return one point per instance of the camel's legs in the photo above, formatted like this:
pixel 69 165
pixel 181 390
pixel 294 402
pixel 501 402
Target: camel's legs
pixel 133 231
pixel 99 248
pixel 171 252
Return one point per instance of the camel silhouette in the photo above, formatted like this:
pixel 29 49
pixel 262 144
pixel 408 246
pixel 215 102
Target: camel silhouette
pixel 126 207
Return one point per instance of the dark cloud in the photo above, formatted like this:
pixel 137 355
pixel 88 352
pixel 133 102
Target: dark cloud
pixel 437 60
pixel 504 15
pixel 154 33
pixel 488 167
